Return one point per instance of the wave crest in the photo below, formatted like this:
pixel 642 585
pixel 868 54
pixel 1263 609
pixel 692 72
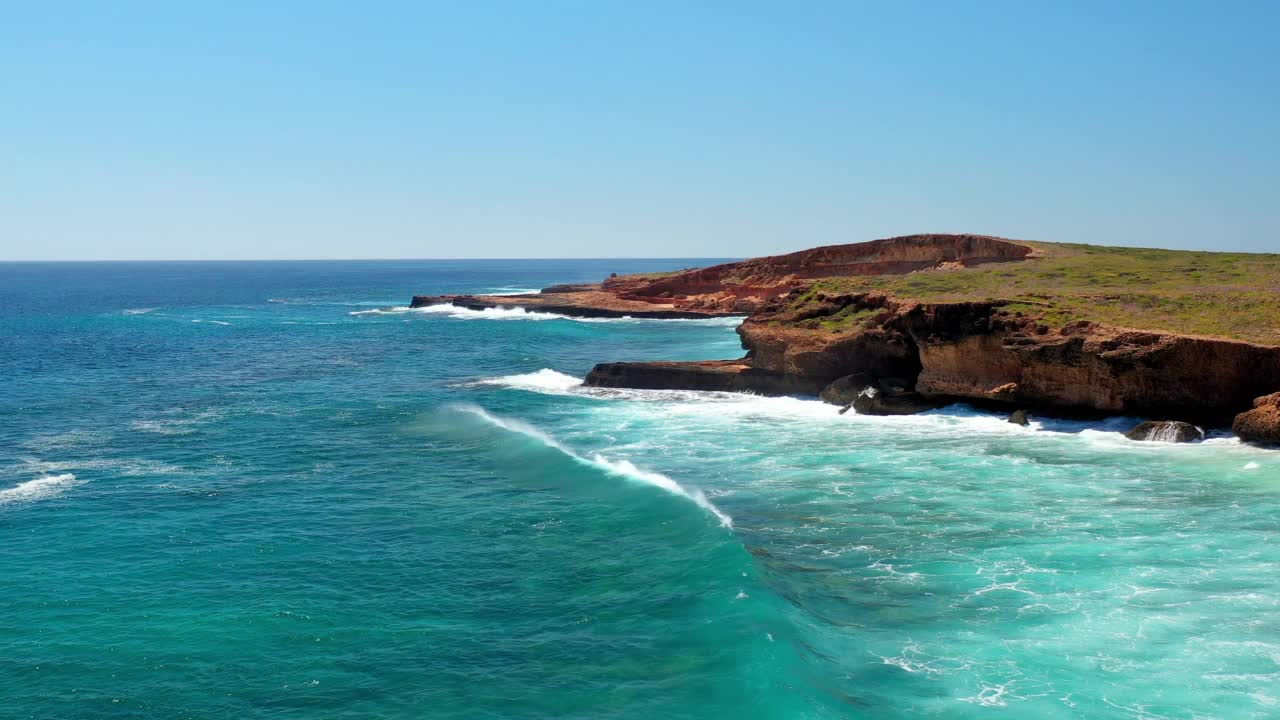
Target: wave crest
pixel 38 489
pixel 544 380
pixel 618 468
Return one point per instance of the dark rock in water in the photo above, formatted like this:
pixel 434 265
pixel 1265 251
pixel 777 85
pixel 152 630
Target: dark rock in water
pixel 872 401
pixel 1173 431
pixel 846 390
pixel 1262 423
pixel 717 375
pixel 843 390
pixel 1019 417
pixel 875 396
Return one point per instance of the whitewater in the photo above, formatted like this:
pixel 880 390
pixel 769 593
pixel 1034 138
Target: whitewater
pixel 315 502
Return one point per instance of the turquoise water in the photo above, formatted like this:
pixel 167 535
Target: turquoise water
pixel 241 490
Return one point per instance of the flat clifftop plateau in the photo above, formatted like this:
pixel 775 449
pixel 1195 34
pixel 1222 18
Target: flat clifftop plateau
pixel 741 287
pixel 1234 296
pixel 744 284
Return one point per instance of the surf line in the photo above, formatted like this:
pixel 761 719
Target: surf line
pixel 618 468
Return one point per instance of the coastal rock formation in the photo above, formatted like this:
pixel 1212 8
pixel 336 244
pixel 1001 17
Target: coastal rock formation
pixel 716 375
pixel 821 320
pixel 867 395
pixel 1173 431
pixel 872 401
pixel 1262 423
pixel 741 288
pixel 571 303
pixel 982 353
pixel 977 351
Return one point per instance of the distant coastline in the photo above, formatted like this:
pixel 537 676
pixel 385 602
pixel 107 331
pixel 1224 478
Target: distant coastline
pixel 906 324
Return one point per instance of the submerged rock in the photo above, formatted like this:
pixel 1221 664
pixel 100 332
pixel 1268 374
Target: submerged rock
pixel 1173 431
pixel 1262 423
pixel 1019 417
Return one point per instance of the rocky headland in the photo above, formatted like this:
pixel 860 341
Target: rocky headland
pixel 910 323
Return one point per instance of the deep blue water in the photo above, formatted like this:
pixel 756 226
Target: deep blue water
pixel 242 490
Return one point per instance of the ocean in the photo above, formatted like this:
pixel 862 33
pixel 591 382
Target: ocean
pixel 271 490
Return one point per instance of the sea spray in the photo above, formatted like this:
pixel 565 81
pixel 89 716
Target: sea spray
pixel 620 468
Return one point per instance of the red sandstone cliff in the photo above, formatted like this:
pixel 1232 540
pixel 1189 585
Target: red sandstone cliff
pixel 944 351
pixel 983 352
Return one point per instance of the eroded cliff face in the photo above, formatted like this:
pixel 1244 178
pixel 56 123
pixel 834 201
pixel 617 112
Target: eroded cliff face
pixel 1089 367
pixel 982 352
pixel 801 342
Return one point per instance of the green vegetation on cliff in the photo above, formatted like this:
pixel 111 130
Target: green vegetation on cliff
pixel 1230 295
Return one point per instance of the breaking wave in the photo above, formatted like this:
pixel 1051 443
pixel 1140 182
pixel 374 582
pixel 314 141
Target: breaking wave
pixel 955 421
pixel 545 379
pixel 513 313
pixel 139 311
pixel 396 310
pixel 38 489
pixel 618 468
pixel 521 313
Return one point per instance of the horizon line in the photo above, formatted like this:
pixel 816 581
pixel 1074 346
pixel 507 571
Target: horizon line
pixel 568 257
pixel 357 259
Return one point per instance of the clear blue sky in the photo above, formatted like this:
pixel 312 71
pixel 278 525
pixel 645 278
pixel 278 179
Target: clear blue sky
pixel 597 129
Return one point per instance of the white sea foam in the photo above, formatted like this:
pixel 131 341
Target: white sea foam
pixel 496 313
pixel 175 424
pixel 53 442
pixel 727 321
pixel 139 311
pixel 38 489
pixel 552 382
pixel 212 322
pixel 493 313
pixel 396 310
pixel 504 291
pixel 546 379
pixel 699 409
pixel 621 468
pixel 521 313
pixel 125 467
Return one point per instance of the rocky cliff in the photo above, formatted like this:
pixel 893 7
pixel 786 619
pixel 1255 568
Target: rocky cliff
pixel 984 353
pixel 943 333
